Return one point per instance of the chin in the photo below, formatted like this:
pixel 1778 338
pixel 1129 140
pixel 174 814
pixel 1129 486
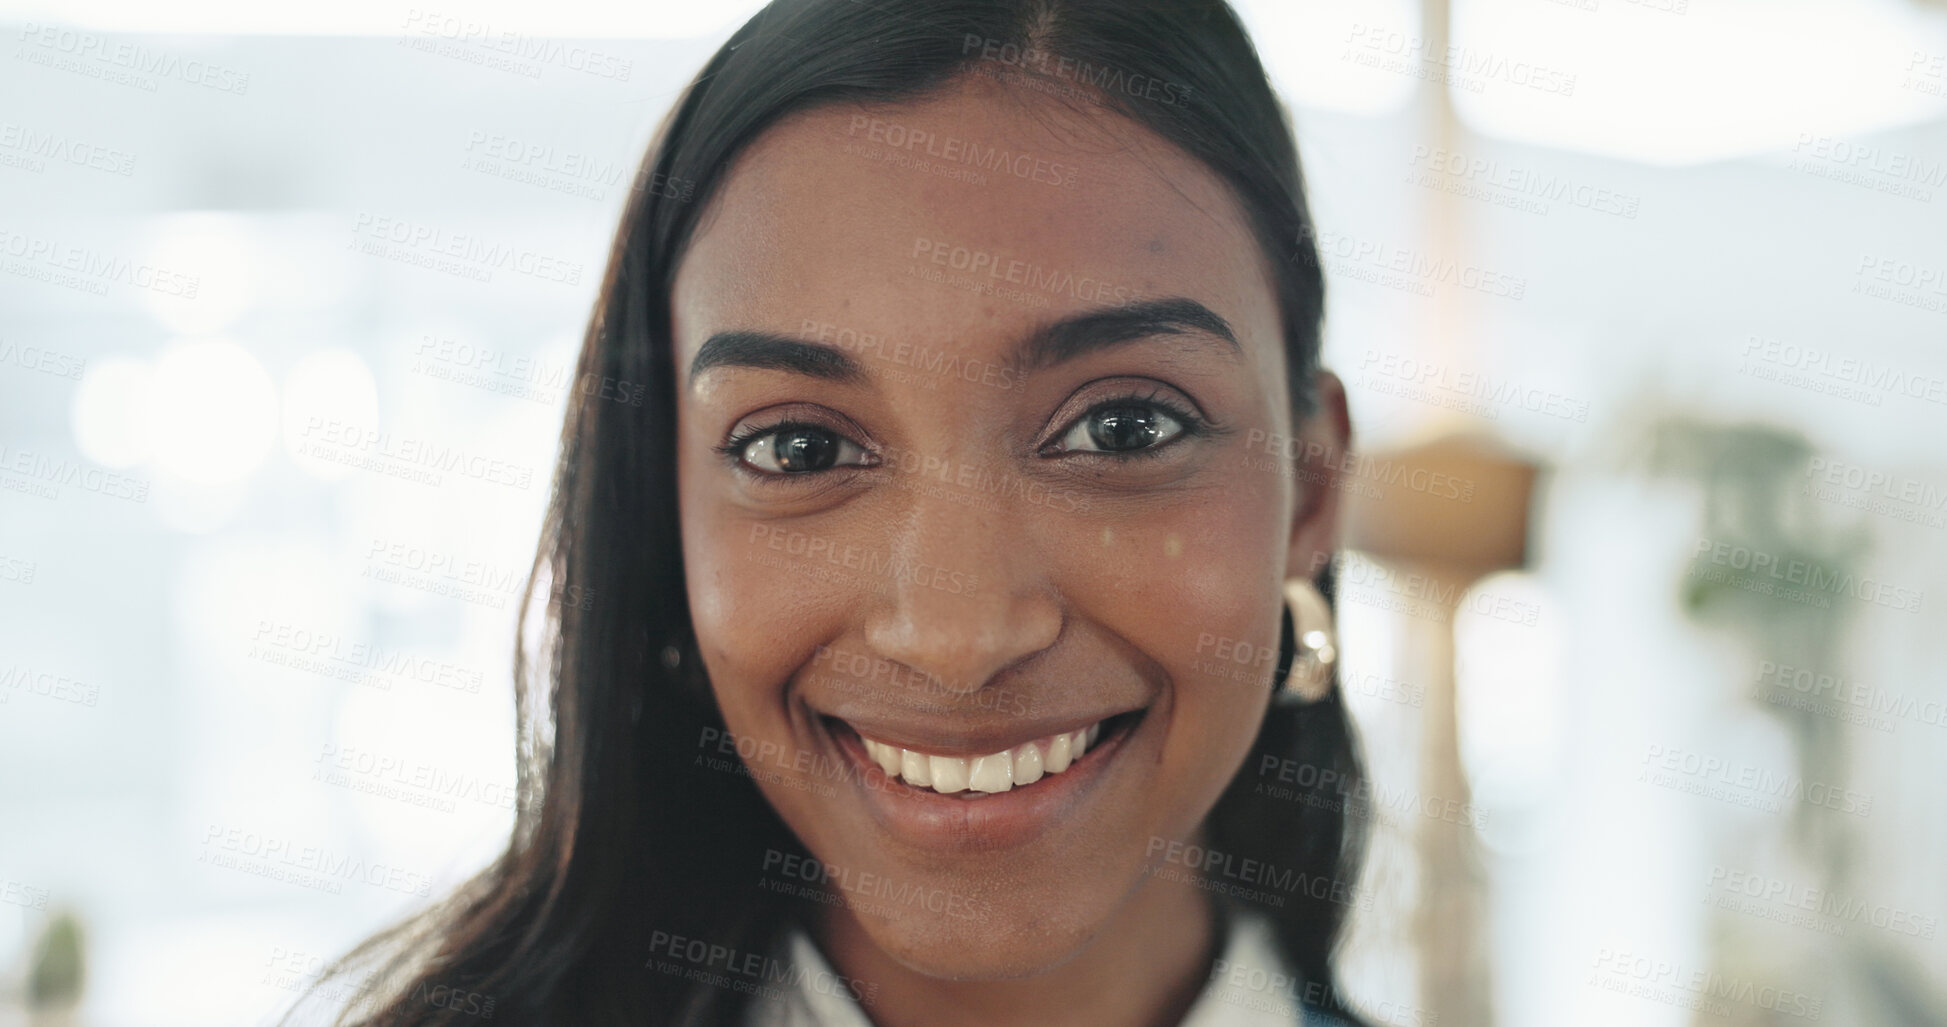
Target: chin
pixel 1007 943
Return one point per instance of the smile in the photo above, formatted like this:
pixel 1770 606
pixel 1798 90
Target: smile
pixel 1023 764
pixel 983 789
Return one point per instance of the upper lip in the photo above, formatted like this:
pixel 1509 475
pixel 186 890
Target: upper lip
pixel 973 740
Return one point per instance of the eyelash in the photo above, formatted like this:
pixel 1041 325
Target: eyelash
pixel 733 447
pixel 1194 425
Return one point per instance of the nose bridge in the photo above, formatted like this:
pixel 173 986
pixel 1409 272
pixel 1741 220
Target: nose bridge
pixel 966 597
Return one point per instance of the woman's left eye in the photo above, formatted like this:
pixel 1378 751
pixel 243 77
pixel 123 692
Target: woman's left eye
pixel 1121 428
pixel 800 449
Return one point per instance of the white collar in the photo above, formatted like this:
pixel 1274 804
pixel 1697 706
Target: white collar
pixel 1249 986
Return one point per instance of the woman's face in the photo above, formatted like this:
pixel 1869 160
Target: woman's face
pixel 983 446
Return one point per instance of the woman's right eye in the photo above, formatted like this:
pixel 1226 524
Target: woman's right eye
pixel 799 449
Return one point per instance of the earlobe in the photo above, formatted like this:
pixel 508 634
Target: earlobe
pixel 1317 468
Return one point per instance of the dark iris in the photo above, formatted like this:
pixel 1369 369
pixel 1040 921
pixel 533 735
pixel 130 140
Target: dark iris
pixel 1118 429
pixel 805 449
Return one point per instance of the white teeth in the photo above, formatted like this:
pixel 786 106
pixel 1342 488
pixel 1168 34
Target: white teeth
pixel 991 773
pixel 914 769
pixel 949 773
pixel 1027 764
pixel 886 756
pixel 1022 765
pixel 1060 753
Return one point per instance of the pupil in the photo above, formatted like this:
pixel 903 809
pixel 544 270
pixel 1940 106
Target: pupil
pixel 805 449
pixel 1124 428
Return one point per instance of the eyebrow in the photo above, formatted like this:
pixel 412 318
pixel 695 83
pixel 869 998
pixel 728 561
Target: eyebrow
pixel 770 351
pixel 1109 327
pixel 1061 341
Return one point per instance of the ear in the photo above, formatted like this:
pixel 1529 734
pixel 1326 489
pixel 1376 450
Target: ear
pixel 1317 458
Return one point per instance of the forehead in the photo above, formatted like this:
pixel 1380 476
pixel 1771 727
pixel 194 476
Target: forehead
pixel 963 219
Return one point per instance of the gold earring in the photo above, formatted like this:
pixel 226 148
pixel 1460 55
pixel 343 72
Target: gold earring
pixel 1317 641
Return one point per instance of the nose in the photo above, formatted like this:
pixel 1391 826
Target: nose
pixel 965 598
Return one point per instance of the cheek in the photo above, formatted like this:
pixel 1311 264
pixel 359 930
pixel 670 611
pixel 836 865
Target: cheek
pixel 1224 648
pixel 1196 588
pixel 755 622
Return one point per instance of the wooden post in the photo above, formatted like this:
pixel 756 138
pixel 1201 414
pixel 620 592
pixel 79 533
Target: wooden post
pixel 1453 543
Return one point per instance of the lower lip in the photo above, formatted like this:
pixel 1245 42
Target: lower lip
pixel 977 820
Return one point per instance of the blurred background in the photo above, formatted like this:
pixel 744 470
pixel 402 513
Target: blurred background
pixel 1642 305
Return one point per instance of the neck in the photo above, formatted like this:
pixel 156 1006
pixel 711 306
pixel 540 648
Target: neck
pixel 1144 968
